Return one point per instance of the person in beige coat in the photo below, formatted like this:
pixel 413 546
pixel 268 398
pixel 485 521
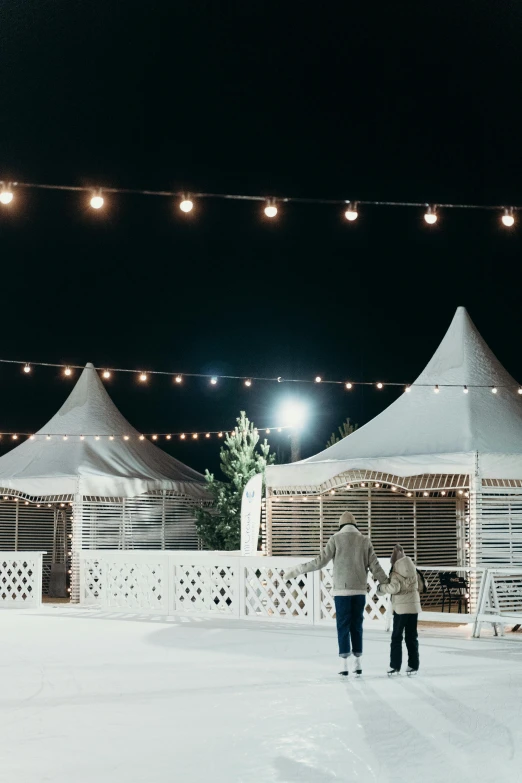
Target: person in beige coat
pixel 353 556
pixel 403 586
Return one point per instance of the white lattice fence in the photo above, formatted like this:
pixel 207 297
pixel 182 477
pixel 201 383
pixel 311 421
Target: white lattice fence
pixel 267 595
pixel 20 579
pixel 206 587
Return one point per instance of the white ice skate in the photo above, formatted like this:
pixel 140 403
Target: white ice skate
pixel 357 665
pixel 344 670
pixel 411 672
pixel 393 672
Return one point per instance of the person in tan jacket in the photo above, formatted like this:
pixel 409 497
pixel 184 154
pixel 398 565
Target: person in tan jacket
pixel 403 586
pixel 353 556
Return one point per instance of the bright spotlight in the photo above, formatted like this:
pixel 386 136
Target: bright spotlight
pixel 293 414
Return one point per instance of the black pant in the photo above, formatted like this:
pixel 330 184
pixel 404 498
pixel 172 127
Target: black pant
pixel 349 614
pixel 406 623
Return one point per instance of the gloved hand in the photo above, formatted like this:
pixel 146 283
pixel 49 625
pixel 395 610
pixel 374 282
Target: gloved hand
pixel 292 574
pixel 380 591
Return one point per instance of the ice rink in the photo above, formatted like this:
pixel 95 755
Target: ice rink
pixel 88 696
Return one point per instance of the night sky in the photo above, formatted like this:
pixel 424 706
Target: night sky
pixel 412 101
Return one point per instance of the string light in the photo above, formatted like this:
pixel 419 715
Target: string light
pixel 178 379
pixel 351 213
pixel 195 436
pixel 465 390
pixel 15 437
pixel 27 368
pixel 508 219
pixel 67 371
pixel 270 209
pixel 426 494
pixel 125 437
pixel 213 381
pixel 267 431
pixel 96 437
pixel 436 389
pixel 318 379
pixel 430 216
pixel 6 195
pixel 186 205
pixel 220 434
pixel 348 386
pixel 169 437
pixel 82 437
pixel 207 435
pixel 248 382
pixel 65 437
pixel 494 390
pixel 394 489
pixel 154 437
pixel 182 436
pixel 48 437
pixel 520 389
pixel 111 437
pixel 106 374
pixel 97 201
pixel 143 377
pixel 379 385
pixel 142 437
pixel 443 492
pixel 407 389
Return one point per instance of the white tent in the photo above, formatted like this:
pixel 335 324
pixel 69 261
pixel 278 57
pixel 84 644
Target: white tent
pixel 435 433
pixel 81 464
pixel 440 468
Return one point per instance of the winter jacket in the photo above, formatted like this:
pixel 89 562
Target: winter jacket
pixel 353 556
pixel 403 586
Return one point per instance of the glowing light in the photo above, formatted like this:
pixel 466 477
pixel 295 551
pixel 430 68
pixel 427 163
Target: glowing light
pixel 6 497
pixel 186 205
pixel 143 377
pixel 279 429
pixel 318 379
pixel 106 374
pixel 443 492
pixel 195 436
pixel 436 389
pixel 220 434
pixel 6 196
pixel 248 382
pixel 213 381
pixel 169 437
pixel 154 437
pixel 96 437
pixel 508 219
pixel 182 436
pixel 465 390
pixel 31 437
pixel 207 435
pixel 520 389
pixel 363 484
pixel 97 201
pixel 292 414
pixel 407 389
pixel 394 489
pixel 380 385
pixel 178 379
pixel 82 437
pixel 27 368
pixel 494 390
pixel 125 437
pixel 48 437
pixel 332 492
pixel 461 491
pixel 377 485
pixel 26 502
pixel 142 437
pixel 351 213
pixel 430 216
pixel 65 437
pixel 348 385
pixel 426 494
pixel 15 437
pixel 409 494
pixel 111 437
pixel 271 209
pixel 67 371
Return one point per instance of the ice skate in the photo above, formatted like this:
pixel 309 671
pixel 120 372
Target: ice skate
pixel 357 665
pixel 393 672
pixel 411 672
pixel 344 670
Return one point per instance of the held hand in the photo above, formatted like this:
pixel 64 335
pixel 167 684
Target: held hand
pixel 292 574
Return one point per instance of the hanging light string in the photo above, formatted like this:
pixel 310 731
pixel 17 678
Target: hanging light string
pixel 178 378
pixel 187 435
pixel 186 200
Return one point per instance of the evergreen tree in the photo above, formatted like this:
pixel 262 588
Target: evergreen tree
pixel 345 429
pixel 242 456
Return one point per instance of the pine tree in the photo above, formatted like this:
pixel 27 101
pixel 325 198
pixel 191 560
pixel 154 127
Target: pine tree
pixel 345 429
pixel 242 456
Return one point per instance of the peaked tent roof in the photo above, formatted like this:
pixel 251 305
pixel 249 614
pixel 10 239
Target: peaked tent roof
pixel 424 432
pixel 105 468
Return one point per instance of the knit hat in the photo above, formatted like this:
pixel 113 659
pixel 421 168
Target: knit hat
pixel 347 519
pixel 397 554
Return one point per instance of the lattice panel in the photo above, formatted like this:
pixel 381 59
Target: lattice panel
pixel 376 605
pixel 140 585
pixel 206 588
pixel 18 581
pixel 268 595
pixel 93 583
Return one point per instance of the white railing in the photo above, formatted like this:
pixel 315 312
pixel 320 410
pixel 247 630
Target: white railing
pixel 20 579
pixel 228 585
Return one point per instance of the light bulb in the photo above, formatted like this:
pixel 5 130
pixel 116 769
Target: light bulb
pixel 186 205
pixel 380 385
pixel 407 389
pixel 351 213
pixel 125 437
pixel 267 432
pixel 97 201
pixel 111 437
pixel 67 371
pixel 494 390
pixel 169 437
pixel 430 216
pixel 142 437
pixel 213 381
pixel 178 379
pixel 409 494
pixel 15 437
pixel 31 437
pixel 436 389
pixel 48 437
pixel 394 489
pixel 27 368
pixel 318 379
pixel 106 374
pixel 65 437
pixel 279 429
pixel 207 435
pixel 248 382
pixel 96 437
pixel 6 196
pixel 182 436
pixel 461 491
pixel 154 437
pixel 143 377
pixel 220 434
pixel 426 494
pixel 508 219
pixel 348 385
pixel 520 389
pixel 443 493
pixel 195 436
pixel 465 390
pixel 82 437
pixel 271 210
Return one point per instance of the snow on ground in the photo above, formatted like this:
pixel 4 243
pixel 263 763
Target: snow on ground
pixel 91 697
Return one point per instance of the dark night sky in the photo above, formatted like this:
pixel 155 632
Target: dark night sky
pixel 416 101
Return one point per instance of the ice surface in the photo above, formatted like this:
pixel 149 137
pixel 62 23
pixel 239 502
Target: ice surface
pixel 92 697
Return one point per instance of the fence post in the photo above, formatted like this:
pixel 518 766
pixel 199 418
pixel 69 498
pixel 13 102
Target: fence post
pixel 315 598
pixel 483 593
pixel 171 579
pixel 242 609
pixel 38 585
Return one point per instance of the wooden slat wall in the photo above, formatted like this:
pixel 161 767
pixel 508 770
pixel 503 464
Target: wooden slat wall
pixel 425 526
pixel 501 529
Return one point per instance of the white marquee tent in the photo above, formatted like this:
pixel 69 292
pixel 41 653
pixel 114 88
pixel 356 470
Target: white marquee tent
pixel 446 456
pixel 121 492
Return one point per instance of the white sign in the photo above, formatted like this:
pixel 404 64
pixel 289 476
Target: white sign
pixel 251 515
